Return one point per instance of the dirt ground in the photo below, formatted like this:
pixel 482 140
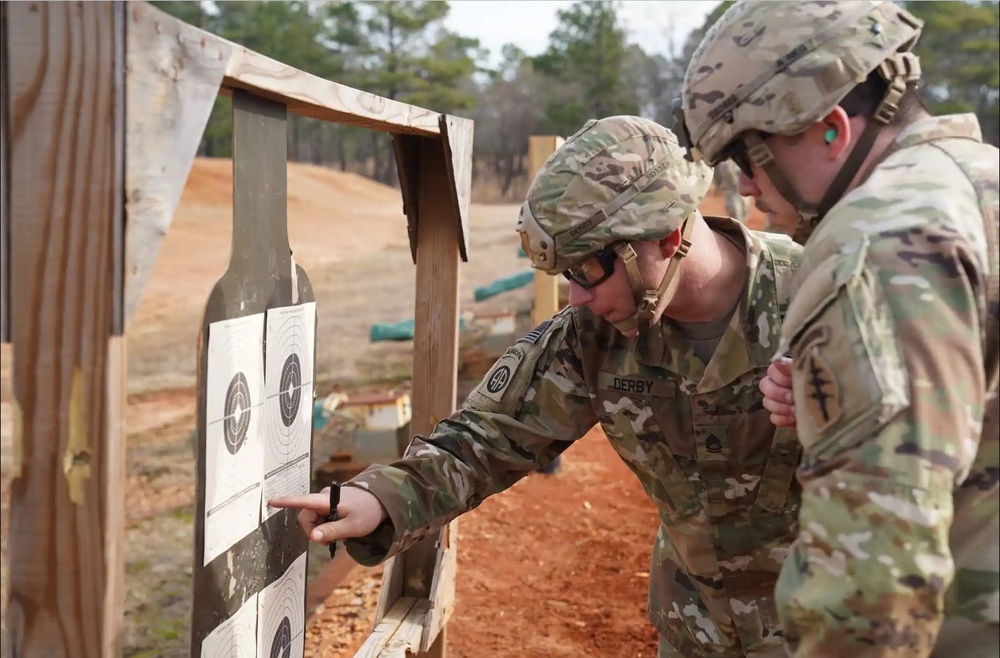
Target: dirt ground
pixel 557 566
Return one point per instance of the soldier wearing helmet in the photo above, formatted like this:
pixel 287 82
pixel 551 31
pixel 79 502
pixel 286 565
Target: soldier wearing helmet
pixel 673 319
pixel 892 330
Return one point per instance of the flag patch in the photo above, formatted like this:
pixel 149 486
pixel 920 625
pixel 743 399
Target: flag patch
pixel 536 333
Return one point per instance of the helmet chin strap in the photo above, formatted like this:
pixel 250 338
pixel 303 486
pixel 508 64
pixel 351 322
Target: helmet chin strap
pixel 898 71
pixel 646 300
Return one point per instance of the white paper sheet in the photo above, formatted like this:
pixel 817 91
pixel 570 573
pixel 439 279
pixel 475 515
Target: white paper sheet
pixel 235 637
pixel 288 402
pixel 233 451
pixel 281 613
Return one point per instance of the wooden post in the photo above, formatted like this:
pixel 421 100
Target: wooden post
pixel 435 341
pixel 4 185
pixel 540 147
pixel 64 71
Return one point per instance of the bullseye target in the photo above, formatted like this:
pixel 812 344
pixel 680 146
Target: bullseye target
pixel 288 386
pixel 237 419
pixel 281 643
pixel 281 618
pixel 234 405
pixel 236 637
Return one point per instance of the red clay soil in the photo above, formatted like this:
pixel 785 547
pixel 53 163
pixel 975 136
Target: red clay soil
pixel 556 566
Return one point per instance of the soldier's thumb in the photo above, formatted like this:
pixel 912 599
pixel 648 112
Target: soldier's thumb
pixel 327 533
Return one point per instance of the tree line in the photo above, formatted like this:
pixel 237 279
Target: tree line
pixel 590 68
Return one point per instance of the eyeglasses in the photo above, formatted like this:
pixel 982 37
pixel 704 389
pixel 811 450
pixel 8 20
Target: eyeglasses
pixel 738 152
pixel 595 270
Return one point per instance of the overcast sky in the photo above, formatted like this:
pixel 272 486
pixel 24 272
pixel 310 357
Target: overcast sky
pixel 527 23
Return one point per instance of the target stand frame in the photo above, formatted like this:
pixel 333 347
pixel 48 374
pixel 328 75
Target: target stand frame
pixel 118 125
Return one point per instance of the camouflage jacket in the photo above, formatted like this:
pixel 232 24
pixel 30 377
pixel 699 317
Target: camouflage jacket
pixel 696 436
pixel 893 331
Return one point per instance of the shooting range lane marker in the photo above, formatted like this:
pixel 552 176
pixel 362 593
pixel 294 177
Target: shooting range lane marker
pixel 234 454
pixel 288 397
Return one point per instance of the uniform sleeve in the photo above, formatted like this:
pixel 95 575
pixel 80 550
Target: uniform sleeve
pixel 889 391
pixel 527 409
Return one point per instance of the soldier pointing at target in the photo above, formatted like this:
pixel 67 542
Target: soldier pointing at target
pixel 673 320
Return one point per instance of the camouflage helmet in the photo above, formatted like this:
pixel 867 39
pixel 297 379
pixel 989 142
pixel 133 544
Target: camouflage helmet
pixel 779 67
pixel 620 178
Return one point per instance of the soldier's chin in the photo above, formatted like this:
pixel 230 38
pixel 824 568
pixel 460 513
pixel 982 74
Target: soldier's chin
pixel 780 224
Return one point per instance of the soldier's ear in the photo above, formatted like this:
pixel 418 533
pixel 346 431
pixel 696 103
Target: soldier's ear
pixel 836 133
pixel 670 243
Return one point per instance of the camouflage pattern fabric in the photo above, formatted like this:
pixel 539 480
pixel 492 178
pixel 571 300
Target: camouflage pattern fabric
pixel 695 434
pixel 623 160
pixel 727 181
pixel 893 328
pixel 779 67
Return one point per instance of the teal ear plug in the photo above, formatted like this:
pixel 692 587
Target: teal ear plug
pixel 830 135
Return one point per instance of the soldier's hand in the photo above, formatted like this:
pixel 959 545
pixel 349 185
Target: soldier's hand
pixel 777 389
pixel 359 511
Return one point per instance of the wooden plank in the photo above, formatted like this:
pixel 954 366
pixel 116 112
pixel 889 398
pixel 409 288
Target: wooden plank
pixel 540 147
pixel 66 220
pixel 435 340
pixel 306 94
pixel 391 588
pixel 173 81
pixel 4 184
pixel 458 138
pixel 405 642
pixel 442 589
pixel 261 275
pixel 311 96
pixel 435 343
pixel 386 627
pixel 406 149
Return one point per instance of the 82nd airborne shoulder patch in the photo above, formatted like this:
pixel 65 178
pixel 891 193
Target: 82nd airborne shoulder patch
pixel 495 384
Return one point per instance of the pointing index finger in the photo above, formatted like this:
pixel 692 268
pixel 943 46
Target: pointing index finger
pixel 318 502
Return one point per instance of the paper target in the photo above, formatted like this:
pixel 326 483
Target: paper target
pixel 234 462
pixel 288 401
pixel 281 614
pixel 288 382
pixel 236 637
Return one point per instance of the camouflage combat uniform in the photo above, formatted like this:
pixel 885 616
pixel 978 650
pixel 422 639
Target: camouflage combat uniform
pixel 695 435
pixel 727 181
pixel 893 330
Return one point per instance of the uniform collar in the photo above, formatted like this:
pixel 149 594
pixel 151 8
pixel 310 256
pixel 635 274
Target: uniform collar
pixel 950 125
pixel 752 334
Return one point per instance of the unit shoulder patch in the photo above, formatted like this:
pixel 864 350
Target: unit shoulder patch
pixel 498 379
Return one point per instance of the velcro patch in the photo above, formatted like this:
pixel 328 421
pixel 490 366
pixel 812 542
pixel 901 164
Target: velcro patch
pixel 495 384
pixel 532 336
pixel 636 385
pixel 823 391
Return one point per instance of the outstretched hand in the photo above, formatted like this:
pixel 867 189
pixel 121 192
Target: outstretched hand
pixel 360 513
pixel 777 389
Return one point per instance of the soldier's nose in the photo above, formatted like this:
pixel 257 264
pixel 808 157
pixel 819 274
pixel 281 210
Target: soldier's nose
pixel 579 296
pixel 747 186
